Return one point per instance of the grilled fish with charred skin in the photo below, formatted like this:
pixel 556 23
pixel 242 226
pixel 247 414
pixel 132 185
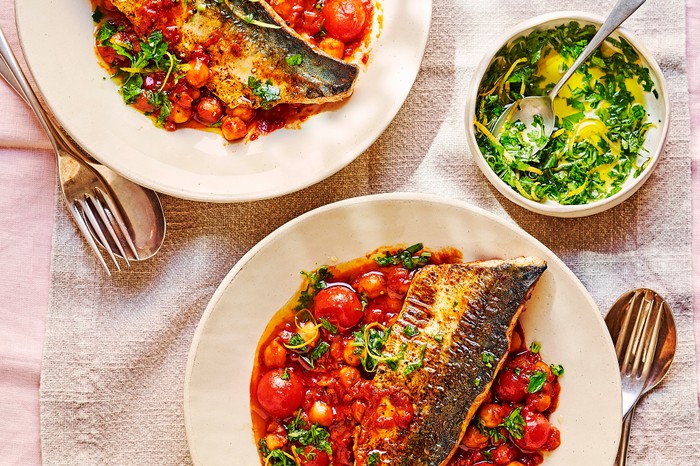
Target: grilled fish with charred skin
pixel 457 313
pixel 249 39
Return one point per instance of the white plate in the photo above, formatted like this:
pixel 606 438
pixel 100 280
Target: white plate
pixel 197 165
pixel 561 315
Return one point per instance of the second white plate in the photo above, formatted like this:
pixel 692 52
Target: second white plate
pixel 561 315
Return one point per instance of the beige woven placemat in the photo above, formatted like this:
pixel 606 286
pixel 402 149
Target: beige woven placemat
pixel 116 348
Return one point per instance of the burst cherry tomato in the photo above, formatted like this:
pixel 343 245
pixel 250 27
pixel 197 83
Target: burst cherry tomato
pixel 536 431
pixel 344 19
pixel 339 305
pixel 312 456
pixel 280 393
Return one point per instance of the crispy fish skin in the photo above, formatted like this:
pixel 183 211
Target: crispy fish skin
pixel 473 308
pixel 240 49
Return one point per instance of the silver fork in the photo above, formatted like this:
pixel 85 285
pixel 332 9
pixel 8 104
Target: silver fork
pixel 636 345
pixel 90 202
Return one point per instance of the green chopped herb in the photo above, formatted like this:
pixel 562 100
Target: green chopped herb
pixel 535 347
pixel 597 144
pixel 410 331
pixel 488 358
pixel 557 370
pixel 267 92
pixel 321 348
pixel 298 431
pixel 294 60
pixel 514 423
pixel 373 459
pixel 537 380
pixel 405 257
pixel 316 281
pixel 477 382
pixel 437 337
pixel 329 326
pixel 415 365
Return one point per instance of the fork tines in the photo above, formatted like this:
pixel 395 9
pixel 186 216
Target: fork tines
pixel 636 343
pixel 99 217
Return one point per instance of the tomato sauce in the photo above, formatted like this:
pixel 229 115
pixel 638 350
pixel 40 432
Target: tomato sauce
pixel 312 377
pixel 340 28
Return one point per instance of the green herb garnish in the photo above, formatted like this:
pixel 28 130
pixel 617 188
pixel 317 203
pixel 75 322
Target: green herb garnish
pixel 537 380
pixel 265 90
pixel 405 257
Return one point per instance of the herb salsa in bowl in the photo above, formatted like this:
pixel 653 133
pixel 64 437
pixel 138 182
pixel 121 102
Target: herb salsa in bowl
pixel 611 118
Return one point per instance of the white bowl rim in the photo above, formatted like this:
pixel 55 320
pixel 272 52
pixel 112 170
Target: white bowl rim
pixel 552 208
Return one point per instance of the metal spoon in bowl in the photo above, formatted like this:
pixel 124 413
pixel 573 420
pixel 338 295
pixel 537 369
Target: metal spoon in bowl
pixel 528 108
pixel 141 207
pixel 644 333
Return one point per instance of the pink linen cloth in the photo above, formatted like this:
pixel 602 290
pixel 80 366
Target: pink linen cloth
pixel 27 187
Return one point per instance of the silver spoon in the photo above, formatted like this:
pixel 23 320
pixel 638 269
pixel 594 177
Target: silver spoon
pixel 141 206
pixel 526 109
pixel 657 324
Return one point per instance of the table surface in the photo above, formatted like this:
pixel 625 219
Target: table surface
pixel 28 178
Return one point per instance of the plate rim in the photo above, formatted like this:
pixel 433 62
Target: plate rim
pixel 373 198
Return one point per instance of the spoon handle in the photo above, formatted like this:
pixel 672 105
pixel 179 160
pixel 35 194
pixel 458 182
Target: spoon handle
pixel 620 12
pixel 624 439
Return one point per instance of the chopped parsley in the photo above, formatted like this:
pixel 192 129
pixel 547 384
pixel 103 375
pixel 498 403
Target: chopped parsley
pixel 405 257
pixel 369 345
pixel 410 331
pixel 316 281
pixel 329 326
pixel 598 140
pixel 535 347
pixel 557 369
pixel 299 432
pixel 537 380
pixel 294 60
pixel 415 365
pixel 151 55
pixel 321 348
pixel 373 459
pixel 488 358
pixel 265 90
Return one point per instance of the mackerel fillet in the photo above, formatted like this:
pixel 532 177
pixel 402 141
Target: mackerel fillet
pixel 462 312
pixel 247 38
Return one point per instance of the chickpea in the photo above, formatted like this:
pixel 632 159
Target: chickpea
pixel 179 114
pixel 244 112
pixel 349 355
pixel 349 376
pixel 233 128
pixel 209 110
pixel 491 415
pixel 474 439
pixel 275 440
pixel 274 355
pixel 372 284
pixel 321 413
pixel 539 401
pixel 504 454
pixel 332 47
pixel 198 73
pixel 308 332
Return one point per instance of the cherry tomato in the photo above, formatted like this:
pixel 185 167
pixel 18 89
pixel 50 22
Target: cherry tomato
pixel 312 456
pixel 280 393
pixel 536 431
pixel 339 305
pixel 344 19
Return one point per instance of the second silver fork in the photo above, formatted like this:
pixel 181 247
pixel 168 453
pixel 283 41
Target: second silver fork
pixel 89 200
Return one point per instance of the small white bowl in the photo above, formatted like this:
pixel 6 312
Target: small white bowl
pixel 658 110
